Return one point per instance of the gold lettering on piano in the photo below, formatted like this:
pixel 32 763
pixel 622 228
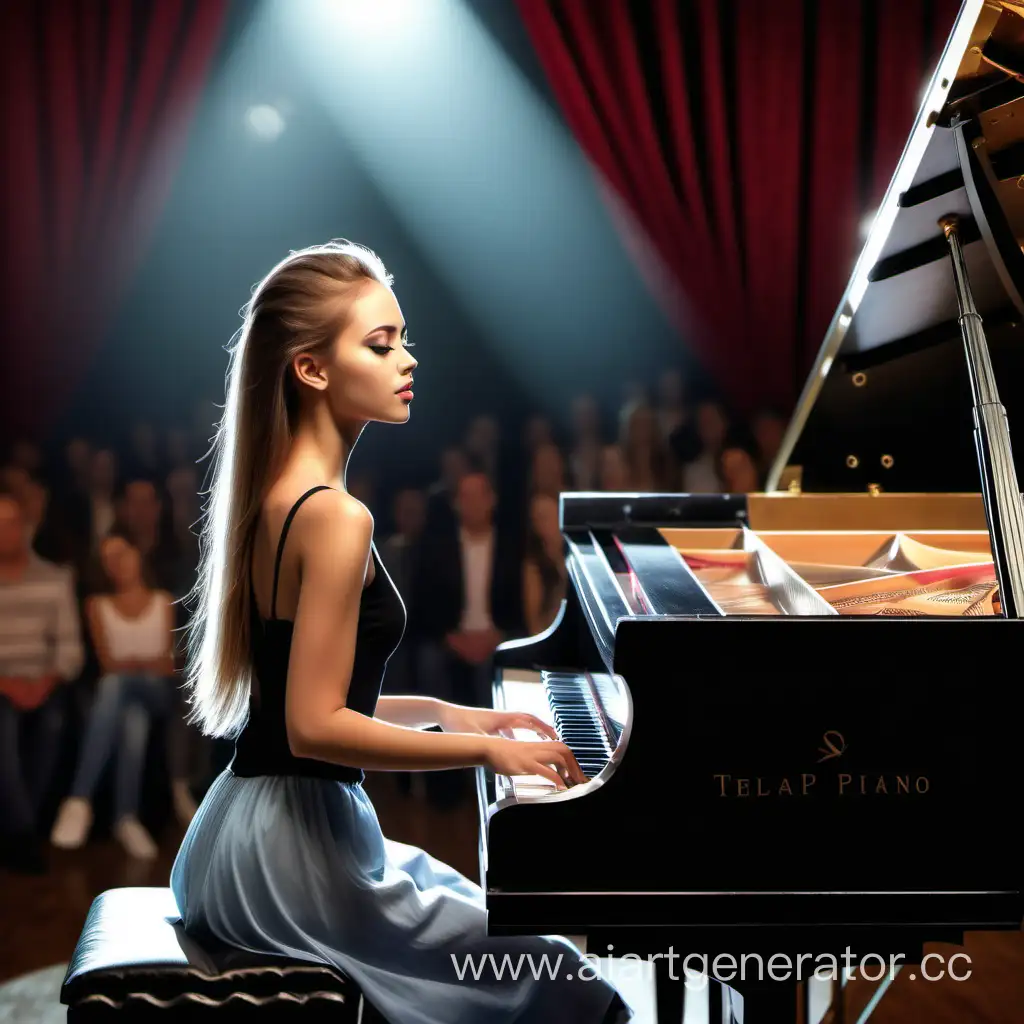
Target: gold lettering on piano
pixel 843 784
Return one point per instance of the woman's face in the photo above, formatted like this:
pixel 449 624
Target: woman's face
pixel 120 561
pixel 365 372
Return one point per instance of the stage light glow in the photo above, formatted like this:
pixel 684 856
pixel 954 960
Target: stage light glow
pixel 379 18
pixel 265 121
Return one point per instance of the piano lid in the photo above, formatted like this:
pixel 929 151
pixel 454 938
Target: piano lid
pixel 888 402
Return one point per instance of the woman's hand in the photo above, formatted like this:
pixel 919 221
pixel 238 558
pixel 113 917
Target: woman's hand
pixel 459 718
pixel 552 760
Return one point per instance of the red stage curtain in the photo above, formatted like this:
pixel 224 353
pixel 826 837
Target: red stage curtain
pixel 748 141
pixel 97 101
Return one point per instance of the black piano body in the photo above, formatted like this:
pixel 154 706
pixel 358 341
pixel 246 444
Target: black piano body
pixel 775 767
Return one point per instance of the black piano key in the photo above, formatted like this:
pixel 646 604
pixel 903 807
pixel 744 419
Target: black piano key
pixel 577 720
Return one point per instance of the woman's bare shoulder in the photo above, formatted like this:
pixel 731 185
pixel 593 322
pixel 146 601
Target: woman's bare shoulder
pixel 331 523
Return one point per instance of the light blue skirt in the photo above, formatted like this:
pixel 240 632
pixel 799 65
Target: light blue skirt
pixel 299 867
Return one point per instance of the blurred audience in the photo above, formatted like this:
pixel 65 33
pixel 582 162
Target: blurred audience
pixel 645 449
pixel 99 547
pixel 132 630
pixel 585 444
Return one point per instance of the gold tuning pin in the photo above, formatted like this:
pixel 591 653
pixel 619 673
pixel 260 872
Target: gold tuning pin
pixel 874 490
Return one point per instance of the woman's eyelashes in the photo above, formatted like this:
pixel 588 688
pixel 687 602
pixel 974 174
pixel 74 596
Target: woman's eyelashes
pixel 383 350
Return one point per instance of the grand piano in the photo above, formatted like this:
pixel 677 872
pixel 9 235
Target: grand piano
pixel 797 710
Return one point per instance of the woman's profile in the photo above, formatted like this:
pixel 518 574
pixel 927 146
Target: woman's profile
pixel 294 622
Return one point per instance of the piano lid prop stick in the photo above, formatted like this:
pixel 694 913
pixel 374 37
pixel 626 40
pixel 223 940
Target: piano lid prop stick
pixel 1004 508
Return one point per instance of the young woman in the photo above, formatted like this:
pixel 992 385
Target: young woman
pixel 132 629
pixel 295 622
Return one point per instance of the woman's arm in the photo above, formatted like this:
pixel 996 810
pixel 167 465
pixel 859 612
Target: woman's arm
pixel 414 712
pixel 332 535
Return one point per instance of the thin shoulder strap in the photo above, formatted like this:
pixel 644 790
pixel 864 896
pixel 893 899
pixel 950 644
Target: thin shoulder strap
pixel 284 535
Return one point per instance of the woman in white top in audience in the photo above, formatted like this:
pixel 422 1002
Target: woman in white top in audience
pixel 132 630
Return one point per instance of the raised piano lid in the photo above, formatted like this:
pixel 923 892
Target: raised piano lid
pixel 888 404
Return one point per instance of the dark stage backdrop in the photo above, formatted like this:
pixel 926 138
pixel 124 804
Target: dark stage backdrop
pixel 96 99
pixel 749 140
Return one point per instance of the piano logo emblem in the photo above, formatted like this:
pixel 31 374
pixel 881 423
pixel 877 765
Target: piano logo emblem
pixel 809 784
pixel 830 750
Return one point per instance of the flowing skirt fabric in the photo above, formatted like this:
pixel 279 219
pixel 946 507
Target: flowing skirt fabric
pixel 299 867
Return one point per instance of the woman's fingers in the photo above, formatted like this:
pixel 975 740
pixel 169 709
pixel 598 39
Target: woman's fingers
pixel 550 774
pixel 540 726
pixel 571 766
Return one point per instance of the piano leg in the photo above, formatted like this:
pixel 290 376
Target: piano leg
pixel 773 1003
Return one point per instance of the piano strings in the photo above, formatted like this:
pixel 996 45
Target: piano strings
pixel 903 576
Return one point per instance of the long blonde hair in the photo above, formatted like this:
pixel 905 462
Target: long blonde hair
pixel 300 306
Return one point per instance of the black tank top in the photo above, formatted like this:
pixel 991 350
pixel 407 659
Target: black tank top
pixel 262 746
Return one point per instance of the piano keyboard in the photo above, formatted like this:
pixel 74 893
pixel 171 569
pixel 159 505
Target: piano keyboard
pixel 576 705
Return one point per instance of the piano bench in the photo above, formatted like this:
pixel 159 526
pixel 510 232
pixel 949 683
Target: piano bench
pixel 133 961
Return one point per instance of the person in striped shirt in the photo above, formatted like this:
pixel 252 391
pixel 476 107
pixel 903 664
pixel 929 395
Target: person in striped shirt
pixel 40 648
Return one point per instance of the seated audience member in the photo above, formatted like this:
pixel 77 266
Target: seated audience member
pixel 701 474
pixel 547 471
pixel 738 471
pixel 585 445
pixel 537 430
pixel 144 518
pixel 613 473
pixel 544 572
pixel 645 449
pixel 399 550
pixel 131 627
pixel 40 648
pixel 672 407
pixel 769 429
pixel 441 493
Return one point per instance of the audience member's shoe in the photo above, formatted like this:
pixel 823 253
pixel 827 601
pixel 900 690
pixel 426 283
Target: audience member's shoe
pixel 132 835
pixel 183 801
pixel 74 819
pixel 22 854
